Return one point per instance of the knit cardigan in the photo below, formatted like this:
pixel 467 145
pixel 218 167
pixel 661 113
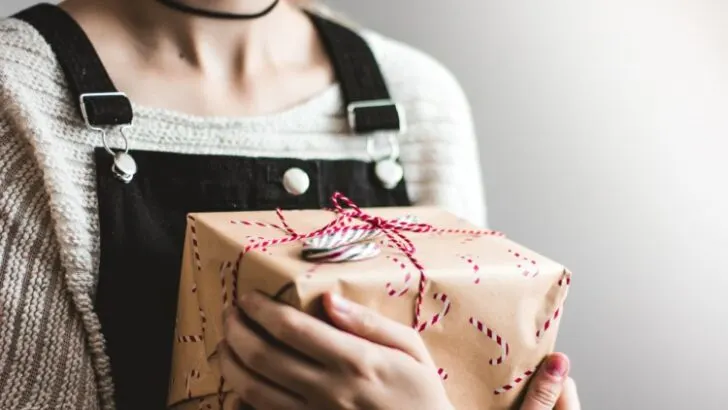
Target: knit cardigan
pixel 51 349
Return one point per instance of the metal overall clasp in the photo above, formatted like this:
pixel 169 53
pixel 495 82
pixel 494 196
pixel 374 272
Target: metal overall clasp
pixel 124 167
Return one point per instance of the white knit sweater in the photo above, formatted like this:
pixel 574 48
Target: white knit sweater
pixel 51 351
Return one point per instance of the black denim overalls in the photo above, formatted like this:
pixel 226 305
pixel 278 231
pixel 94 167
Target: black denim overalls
pixel 142 217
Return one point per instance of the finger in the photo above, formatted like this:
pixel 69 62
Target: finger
pixel 272 362
pixel 371 325
pixel 306 334
pixel 546 386
pixel 569 399
pixel 253 389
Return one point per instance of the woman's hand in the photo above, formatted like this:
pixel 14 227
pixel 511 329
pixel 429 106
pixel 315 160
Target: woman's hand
pixel 378 362
pixel 551 387
pixel 374 363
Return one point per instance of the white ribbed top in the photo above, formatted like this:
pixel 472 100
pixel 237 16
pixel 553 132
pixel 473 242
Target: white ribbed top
pixel 51 351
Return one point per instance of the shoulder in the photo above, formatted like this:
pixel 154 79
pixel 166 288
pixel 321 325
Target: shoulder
pixel 23 51
pixel 33 89
pixel 28 67
pixel 416 78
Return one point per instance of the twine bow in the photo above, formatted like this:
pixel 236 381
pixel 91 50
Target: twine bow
pixel 393 229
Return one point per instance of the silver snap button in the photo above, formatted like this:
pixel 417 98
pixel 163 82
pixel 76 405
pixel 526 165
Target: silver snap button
pixel 389 173
pixel 296 181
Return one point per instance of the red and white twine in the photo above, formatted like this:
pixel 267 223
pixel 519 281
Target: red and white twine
pixel 491 334
pixel 393 229
pixel 224 266
pixel 236 267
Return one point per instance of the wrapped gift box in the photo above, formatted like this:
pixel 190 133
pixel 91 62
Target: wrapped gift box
pixel 490 307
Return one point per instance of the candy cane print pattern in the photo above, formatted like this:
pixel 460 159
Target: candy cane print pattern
pixel 194 338
pixel 528 265
pixel 391 291
pixel 437 316
pixel 565 279
pixel 195 248
pixel 256 223
pixel 514 383
pixel 194 374
pixel 310 271
pixel 547 324
pixel 190 339
pixel 505 348
pixel 203 320
pixel 476 269
pixel 254 239
pixel 467 240
pixel 564 282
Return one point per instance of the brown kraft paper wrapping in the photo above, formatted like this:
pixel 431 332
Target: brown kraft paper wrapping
pixel 491 307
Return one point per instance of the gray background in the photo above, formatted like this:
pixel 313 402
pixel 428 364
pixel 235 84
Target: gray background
pixel 602 126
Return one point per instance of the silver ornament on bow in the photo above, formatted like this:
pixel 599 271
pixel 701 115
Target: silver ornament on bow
pixel 347 245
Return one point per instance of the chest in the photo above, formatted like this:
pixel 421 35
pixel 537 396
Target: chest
pixel 142 225
pixel 143 196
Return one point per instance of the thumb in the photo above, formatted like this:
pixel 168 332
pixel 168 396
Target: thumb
pixel 546 386
pixel 369 324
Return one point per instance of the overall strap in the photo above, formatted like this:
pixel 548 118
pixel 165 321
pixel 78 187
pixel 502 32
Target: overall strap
pixel 368 103
pixel 99 102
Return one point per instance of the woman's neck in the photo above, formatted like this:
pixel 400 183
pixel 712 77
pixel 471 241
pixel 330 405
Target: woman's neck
pixel 213 46
pixel 166 58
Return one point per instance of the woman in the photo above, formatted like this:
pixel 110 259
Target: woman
pixel 119 116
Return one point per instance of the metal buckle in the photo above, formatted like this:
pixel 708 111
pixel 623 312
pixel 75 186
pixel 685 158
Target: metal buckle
pixel 84 111
pixel 124 167
pixel 393 149
pixel 352 107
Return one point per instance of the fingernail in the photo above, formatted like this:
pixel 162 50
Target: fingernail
pixel 340 304
pixel 557 366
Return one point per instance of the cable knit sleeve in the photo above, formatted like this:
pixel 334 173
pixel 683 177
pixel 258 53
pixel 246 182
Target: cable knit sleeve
pixel 36 335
